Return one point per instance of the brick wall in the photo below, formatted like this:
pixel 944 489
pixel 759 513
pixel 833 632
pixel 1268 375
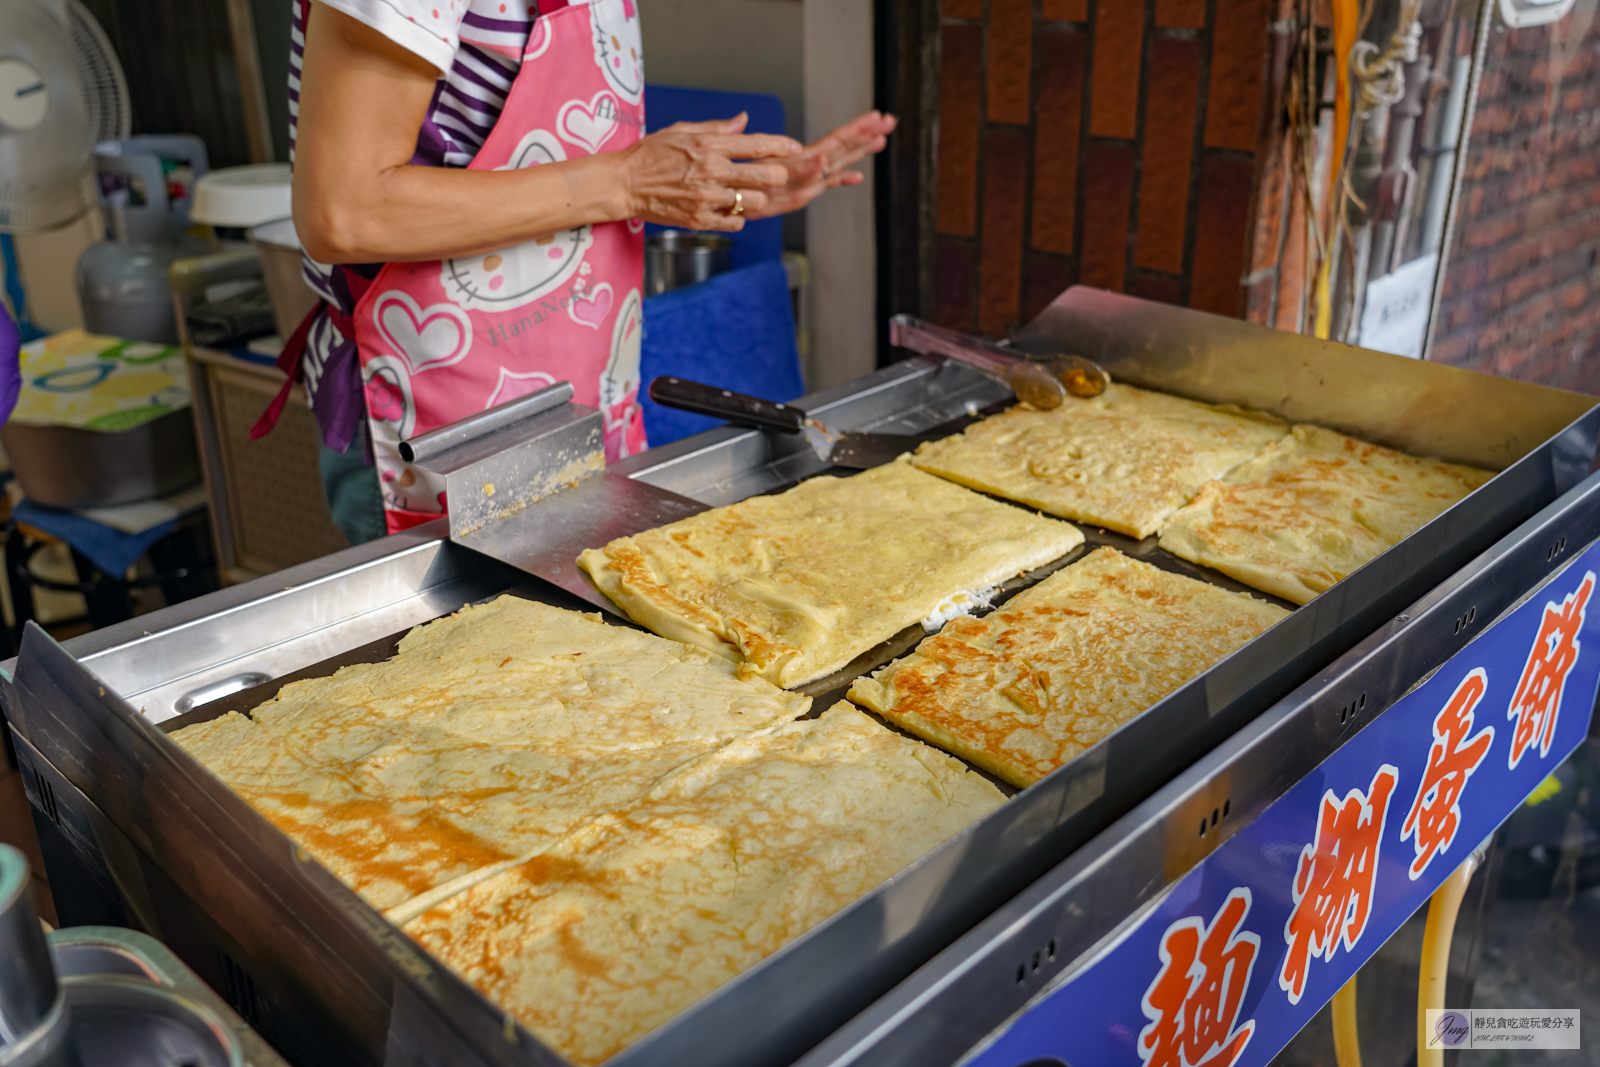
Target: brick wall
pixel 1522 287
pixel 1108 142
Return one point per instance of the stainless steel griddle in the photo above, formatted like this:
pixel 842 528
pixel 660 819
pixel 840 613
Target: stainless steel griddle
pixel 167 848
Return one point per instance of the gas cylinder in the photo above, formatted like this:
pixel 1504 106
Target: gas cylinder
pixel 145 187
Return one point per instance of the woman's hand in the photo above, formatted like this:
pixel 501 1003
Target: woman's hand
pixel 359 199
pixel 823 164
pixel 685 175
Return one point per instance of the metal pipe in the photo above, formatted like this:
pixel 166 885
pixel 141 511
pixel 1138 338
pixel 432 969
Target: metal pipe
pixel 421 448
pixel 1444 162
pixel 252 88
pixel 29 995
pixel 1396 185
pixel 1480 45
pixel 1346 1033
pixel 1436 936
pixel 1350 261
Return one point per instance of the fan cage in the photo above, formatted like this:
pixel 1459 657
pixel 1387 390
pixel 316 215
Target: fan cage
pixel 107 89
pixel 34 203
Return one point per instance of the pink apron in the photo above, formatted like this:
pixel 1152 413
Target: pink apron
pixel 443 340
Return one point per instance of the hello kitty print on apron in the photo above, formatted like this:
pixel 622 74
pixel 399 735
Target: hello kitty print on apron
pixel 443 340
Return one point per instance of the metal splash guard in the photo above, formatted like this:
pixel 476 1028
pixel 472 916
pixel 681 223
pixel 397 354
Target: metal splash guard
pixel 527 484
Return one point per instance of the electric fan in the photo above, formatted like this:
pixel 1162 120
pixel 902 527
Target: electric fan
pixel 61 93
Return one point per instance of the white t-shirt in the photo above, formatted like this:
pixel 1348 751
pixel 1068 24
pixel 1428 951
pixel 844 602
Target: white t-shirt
pixel 478 46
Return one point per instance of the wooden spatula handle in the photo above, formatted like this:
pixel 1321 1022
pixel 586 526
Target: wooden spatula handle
pixel 737 408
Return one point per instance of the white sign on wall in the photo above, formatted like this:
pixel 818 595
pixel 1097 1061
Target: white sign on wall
pixel 1395 318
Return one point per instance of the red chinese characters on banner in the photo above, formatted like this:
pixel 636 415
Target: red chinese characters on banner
pixel 1196 997
pixel 1436 813
pixel 1537 700
pixel 1335 880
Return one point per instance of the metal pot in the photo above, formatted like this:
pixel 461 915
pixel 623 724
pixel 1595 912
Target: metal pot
pixel 284 272
pixel 68 467
pixel 677 258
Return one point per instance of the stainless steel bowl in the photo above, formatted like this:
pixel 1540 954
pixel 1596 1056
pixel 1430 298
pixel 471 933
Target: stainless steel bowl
pixel 283 269
pixel 676 258
pixel 68 467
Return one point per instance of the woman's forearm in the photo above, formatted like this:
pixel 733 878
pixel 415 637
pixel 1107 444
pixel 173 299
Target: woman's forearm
pixel 411 212
pixel 359 199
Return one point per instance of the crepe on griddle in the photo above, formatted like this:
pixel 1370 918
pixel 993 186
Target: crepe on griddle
pixel 593 825
pixel 801 583
pixel 636 916
pixel 1124 460
pixel 1311 509
pixel 1061 665
pixel 489 735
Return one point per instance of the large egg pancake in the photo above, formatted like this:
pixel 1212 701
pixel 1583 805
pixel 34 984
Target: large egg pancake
pixel 1124 460
pixel 1311 509
pixel 1061 665
pixel 488 736
pixel 632 918
pixel 800 583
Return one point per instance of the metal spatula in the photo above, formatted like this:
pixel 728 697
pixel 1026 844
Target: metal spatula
pixel 857 451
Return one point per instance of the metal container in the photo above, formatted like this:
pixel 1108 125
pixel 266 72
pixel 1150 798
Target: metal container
pixel 143 831
pixel 283 269
pixel 33 1013
pixel 124 1022
pixel 674 259
pixel 135 1003
pixel 105 997
pixel 70 467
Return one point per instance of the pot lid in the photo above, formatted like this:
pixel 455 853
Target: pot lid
pixel 242 196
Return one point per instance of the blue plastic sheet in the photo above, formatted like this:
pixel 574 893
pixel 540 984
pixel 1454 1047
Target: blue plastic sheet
pixel 735 331
pixel 110 549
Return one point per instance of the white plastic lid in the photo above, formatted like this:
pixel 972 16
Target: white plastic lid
pixel 280 232
pixel 242 196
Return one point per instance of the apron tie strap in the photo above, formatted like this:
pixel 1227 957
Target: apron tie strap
pixel 294 349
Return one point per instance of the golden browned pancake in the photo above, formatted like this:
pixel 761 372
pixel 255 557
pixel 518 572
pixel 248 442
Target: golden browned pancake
pixel 490 734
pixel 1124 460
pixel 1311 509
pixel 801 583
pixel 631 919
pixel 1061 665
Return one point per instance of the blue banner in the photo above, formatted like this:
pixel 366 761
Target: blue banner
pixel 1250 944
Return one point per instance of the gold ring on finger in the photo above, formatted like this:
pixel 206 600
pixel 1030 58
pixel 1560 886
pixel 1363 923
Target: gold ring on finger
pixel 738 203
